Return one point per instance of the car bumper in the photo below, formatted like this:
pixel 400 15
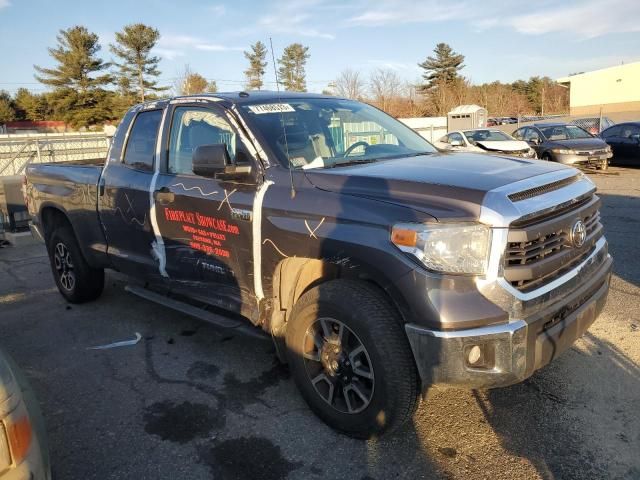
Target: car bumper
pixel 512 351
pixel 582 159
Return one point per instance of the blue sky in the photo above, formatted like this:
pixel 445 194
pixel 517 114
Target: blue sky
pixel 502 40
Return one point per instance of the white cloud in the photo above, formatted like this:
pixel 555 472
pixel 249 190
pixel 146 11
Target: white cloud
pixel 396 12
pixel 579 18
pixel 172 46
pixel 295 17
pixel 4 4
pixel 585 19
pixel 168 53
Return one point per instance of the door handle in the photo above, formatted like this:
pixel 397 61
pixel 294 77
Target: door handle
pixel 164 196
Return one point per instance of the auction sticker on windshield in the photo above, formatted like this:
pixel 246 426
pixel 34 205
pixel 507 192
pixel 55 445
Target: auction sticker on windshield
pixel 271 108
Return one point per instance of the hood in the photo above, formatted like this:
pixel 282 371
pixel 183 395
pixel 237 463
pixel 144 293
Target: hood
pixel 443 185
pixel 505 146
pixel 580 143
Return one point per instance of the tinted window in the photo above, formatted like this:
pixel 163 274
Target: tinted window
pixel 612 132
pixel 141 146
pixel 519 133
pixel 118 139
pixel 192 127
pixel 629 130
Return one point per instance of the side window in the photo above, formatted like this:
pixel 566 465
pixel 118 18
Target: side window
pixel 117 143
pixel 192 127
pixel 531 135
pixel 456 137
pixel 141 146
pixel 629 131
pixel 612 132
pixel 518 134
pixel 444 139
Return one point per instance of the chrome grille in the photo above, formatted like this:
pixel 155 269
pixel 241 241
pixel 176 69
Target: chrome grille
pixel 540 252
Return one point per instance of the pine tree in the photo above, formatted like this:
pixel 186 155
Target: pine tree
pixel 194 83
pixel 442 69
pixel 7 110
pixel 77 79
pixel 292 68
pixel 137 66
pixel 257 65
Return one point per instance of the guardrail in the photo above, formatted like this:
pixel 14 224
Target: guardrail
pixel 17 151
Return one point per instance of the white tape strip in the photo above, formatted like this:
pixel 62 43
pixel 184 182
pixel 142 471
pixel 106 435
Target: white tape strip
pixel 158 244
pixel 257 239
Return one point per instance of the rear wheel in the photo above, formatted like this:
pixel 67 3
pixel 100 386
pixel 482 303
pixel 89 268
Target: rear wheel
pixel 547 157
pixel 351 359
pixel 77 281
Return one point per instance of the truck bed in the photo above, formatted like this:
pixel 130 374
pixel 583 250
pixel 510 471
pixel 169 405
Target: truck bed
pixel 72 188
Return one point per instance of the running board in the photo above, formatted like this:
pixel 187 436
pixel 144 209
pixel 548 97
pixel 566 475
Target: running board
pixel 218 320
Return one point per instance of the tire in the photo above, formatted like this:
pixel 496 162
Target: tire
pixel 370 365
pixel 604 165
pixel 77 281
pixel 547 157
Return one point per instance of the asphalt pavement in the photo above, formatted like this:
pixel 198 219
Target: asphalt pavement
pixel 189 401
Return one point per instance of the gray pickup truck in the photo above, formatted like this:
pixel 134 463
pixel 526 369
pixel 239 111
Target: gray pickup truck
pixel 378 265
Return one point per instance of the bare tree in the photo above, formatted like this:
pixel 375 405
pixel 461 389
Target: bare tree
pixel 385 85
pixel 190 83
pixel 349 84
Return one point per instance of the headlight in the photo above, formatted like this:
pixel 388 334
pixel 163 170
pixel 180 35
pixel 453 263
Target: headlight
pixel 608 149
pixel 461 248
pixel 563 151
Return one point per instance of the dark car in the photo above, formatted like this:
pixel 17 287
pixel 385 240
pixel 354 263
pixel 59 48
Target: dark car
pixel 565 143
pixel 624 140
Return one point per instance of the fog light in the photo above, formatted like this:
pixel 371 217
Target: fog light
pixel 475 354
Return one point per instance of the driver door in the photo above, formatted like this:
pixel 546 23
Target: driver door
pixel 205 223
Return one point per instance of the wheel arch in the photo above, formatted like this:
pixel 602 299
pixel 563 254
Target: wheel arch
pixel 295 276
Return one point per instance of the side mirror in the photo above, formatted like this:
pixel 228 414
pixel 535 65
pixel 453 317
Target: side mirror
pixel 213 161
pixel 635 137
pixel 535 140
pixel 456 143
pixel 209 160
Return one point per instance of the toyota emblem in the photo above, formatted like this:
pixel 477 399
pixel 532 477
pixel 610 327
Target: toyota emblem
pixel 578 234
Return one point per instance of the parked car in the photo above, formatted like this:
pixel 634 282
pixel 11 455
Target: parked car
pixel 624 140
pixel 593 125
pixel 23 447
pixel 565 143
pixel 377 265
pixel 485 141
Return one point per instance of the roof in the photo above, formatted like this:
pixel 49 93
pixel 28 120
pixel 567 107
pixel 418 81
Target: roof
pixel 241 97
pixel 466 109
pixel 550 124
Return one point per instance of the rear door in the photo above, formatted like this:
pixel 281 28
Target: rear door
pixel 205 223
pixel 629 145
pixel 124 196
pixel 614 140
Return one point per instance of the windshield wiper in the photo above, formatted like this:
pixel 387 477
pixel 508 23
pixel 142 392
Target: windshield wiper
pixel 353 162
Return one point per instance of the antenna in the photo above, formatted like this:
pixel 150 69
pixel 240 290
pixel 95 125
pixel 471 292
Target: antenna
pixel 284 129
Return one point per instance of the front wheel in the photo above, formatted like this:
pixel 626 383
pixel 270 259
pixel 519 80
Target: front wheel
pixel 351 359
pixel 76 280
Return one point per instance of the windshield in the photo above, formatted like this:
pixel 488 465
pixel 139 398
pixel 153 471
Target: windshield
pixel 564 132
pixel 326 132
pixel 486 136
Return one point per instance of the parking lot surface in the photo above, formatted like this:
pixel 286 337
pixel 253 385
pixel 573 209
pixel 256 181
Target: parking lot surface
pixel 190 401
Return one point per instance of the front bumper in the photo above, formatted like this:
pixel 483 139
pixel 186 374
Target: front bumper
pixel 582 159
pixel 512 351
